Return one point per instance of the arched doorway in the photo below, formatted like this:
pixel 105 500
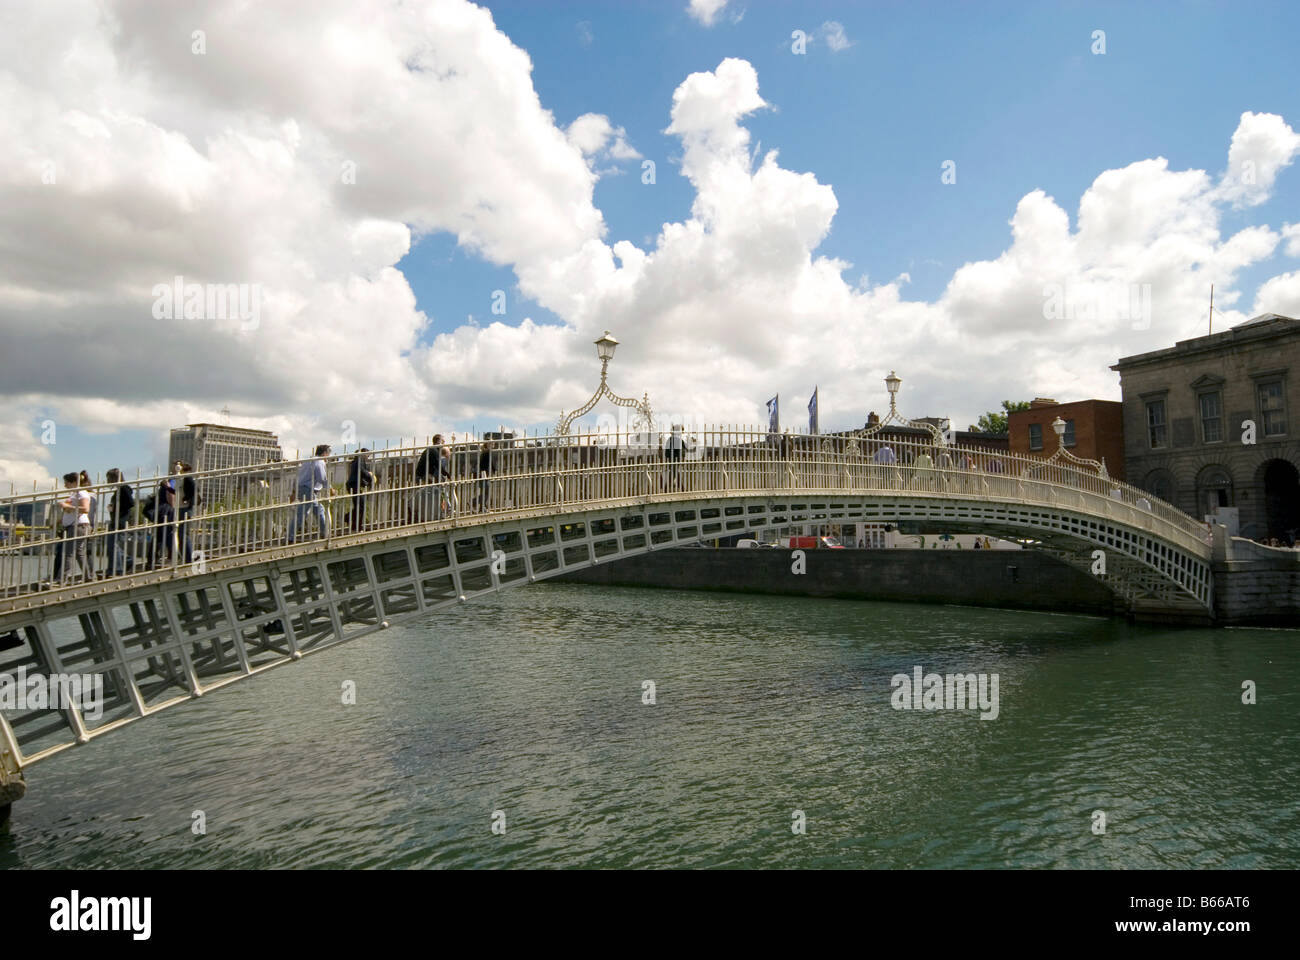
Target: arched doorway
pixel 1160 484
pixel 1282 500
pixel 1213 490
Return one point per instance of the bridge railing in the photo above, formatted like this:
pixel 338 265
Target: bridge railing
pixel 201 518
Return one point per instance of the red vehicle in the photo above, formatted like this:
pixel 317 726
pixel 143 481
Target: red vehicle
pixel 812 543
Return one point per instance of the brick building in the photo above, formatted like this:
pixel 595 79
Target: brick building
pixel 1208 425
pixel 1094 430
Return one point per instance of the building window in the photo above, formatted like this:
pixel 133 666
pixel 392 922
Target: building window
pixel 1272 409
pixel 1211 417
pixel 1157 433
pixel 1035 436
pixel 1069 433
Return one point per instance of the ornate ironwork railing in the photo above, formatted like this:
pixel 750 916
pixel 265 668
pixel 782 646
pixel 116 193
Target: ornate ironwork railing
pixel 257 513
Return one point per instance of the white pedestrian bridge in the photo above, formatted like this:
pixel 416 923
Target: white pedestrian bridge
pixel 170 627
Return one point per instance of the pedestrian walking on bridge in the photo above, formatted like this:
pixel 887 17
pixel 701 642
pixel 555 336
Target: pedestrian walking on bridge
pixel 312 481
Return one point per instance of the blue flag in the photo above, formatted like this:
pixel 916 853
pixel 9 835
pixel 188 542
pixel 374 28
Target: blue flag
pixel 812 413
pixel 774 415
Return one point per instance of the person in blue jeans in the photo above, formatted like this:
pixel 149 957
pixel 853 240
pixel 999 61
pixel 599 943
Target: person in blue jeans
pixel 311 482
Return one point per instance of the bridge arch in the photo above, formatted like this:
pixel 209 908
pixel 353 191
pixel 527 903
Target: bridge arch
pixel 162 637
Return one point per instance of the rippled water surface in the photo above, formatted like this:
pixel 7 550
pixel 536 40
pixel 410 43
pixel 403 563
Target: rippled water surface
pixel 531 704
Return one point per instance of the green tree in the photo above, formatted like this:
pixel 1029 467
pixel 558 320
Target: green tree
pixel 995 422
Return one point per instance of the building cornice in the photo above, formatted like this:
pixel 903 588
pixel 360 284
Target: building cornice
pixel 1280 329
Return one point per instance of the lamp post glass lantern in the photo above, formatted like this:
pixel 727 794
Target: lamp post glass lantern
pixel 605 348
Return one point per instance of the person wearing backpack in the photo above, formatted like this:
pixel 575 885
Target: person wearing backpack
pixel 425 502
pixel 121 555
pixel 446 496
pixel 164 527
pixel 360 478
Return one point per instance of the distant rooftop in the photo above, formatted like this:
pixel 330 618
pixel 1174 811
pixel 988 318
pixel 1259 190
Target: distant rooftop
pixel 1262 319
pixel 224 426
pixel 1038 403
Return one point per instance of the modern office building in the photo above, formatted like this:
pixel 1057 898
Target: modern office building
pixel 210 446
pixel 1094 430
pixel 1208 426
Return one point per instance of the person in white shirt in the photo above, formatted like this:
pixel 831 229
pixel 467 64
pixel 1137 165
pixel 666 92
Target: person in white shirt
pixel 74 530
pixel 311 483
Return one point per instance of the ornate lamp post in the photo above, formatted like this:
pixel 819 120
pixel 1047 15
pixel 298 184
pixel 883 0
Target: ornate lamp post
pixel 892 383
pixel 605 347
pixel 1059 426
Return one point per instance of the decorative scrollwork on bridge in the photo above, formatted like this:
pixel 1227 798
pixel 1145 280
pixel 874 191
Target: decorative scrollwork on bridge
pixel 1062 454
pixel 892 383
pixel 605 351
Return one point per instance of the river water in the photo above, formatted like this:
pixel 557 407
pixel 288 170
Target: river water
pixel 527 711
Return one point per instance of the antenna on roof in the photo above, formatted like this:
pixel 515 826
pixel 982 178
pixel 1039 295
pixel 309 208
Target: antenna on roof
pixel 1211 330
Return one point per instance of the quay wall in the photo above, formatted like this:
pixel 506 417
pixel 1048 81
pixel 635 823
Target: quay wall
pixel 1017 579
pixel 1255 584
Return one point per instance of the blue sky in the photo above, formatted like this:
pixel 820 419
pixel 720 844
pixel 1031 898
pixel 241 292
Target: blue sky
pixel 1011 93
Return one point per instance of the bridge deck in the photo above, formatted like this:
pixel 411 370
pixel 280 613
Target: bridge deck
pixel 256 515
pixel 248 599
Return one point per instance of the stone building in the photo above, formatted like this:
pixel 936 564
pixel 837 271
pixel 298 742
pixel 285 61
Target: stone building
pixel 1209 426
pixel 1094 430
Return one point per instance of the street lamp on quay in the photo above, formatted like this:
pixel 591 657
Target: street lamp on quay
pixel 605 347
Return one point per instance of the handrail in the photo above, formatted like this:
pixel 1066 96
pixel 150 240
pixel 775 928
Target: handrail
pixel 244 511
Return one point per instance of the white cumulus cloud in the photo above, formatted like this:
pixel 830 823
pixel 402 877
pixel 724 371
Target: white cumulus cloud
pixel 308 162
pixel 706 11
pixel 594 135
pixel 1262 145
